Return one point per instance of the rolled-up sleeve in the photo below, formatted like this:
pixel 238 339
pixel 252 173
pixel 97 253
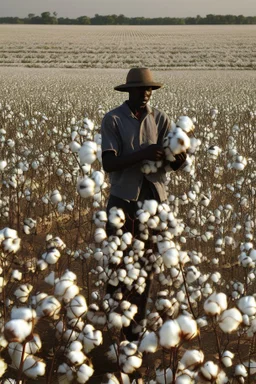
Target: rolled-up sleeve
pixel 110 137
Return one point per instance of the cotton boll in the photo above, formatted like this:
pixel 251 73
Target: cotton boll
pixel 185 378
pixel 170 334
pixel 164 376
pixel 185 123
pixel 98 178
pixel 17 330
pixel 230 320
pixel 74 146
pixel 149 342
pixel 215 304
pixel 88 152
pixel 191 359
pixel 50 279
pixel 171 257
pixel 100 235
pixel 52 256
pixel 150 206
pixel 247 305
pixel 84 372
pixel 22 292
pixel 188 327
pixel 180 142
pixel 226 358
pixel 65 287
pixel 33 367
pixel 75 356
pixel 55 197
pixel 91 338
pixel 240 370
pixel 85 187
pixel 15 351
pixel 116 217
pixel 3 165
pixel 16 275
pixel 209 370
pixel 48 307
pixel 77 307
pixel 115 320
pixel 130 358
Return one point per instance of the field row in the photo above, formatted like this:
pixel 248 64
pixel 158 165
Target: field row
pixel 121 47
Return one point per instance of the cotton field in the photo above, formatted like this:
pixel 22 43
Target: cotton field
pixel 57 323
pixel 120 46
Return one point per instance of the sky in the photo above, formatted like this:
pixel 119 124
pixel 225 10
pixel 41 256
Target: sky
pixel 130 8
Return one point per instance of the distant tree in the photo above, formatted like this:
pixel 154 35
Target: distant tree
pixel 31 15
pixel 84 20
pixel 48 19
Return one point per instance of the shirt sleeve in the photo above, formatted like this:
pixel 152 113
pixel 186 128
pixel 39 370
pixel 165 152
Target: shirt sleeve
pixel 110 137
pixel 164 126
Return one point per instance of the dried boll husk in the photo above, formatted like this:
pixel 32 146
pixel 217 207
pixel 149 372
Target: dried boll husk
pixel 112 353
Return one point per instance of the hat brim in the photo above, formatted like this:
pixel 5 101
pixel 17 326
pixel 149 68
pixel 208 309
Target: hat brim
pixel 127 87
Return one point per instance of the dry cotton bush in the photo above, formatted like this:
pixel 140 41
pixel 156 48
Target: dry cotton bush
pixel 54 269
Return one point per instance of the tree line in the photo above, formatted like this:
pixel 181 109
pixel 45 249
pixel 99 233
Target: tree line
pixel 51 18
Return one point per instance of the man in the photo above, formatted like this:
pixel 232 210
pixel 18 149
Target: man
pixel 132 133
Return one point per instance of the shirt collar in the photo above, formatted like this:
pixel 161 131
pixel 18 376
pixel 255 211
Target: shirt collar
pixel 128 112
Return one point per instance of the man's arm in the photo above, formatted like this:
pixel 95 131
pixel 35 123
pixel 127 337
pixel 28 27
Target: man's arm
pixel 112 163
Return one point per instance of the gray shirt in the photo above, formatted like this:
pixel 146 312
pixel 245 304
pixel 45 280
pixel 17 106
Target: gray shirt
pixel 123 133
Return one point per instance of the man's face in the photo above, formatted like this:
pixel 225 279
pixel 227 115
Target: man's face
pixel 139 97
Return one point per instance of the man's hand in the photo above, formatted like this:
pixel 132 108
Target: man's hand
pixel 153 152
pixel 180 160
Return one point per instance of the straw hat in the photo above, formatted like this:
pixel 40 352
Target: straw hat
pixel 138 77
